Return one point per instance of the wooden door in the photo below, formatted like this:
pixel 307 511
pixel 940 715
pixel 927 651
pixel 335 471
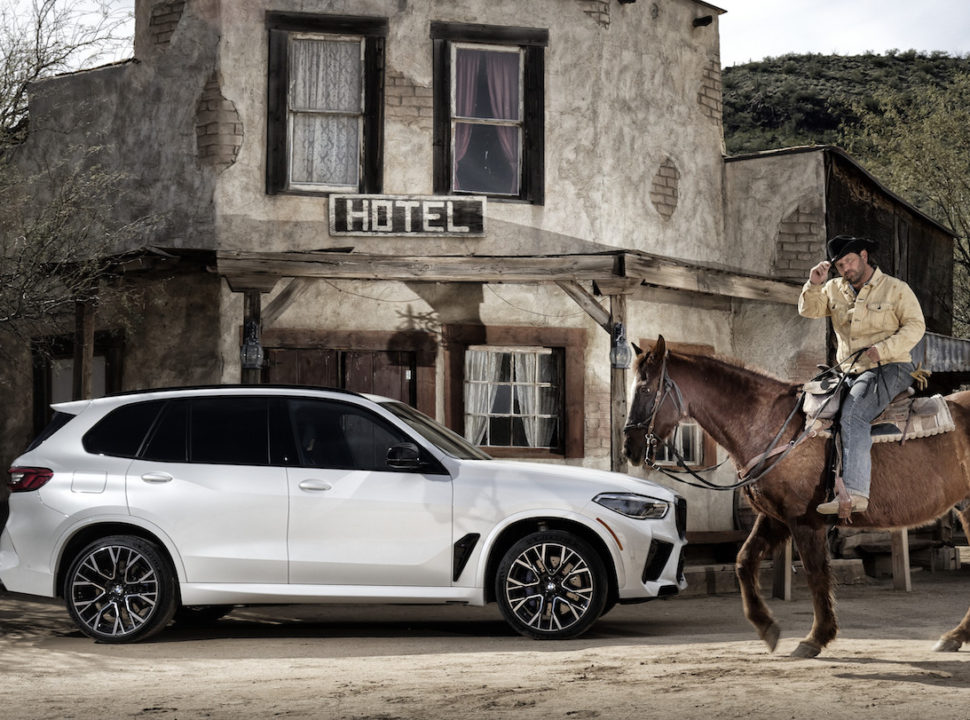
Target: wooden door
pixel 388 373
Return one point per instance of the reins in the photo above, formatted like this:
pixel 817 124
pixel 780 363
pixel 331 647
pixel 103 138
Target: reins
pixel 756 465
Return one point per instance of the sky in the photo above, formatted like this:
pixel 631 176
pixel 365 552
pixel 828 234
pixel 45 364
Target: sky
pixel 756 29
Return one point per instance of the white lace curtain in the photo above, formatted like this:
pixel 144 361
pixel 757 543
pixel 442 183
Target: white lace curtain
pixel 325 98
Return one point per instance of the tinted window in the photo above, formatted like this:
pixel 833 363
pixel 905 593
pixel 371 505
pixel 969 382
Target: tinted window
pixel 341 436
pixel 121 432
pixel 167 442
pixel 232 430
pixel 57 422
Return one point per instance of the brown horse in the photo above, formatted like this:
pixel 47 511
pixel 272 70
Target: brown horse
pixel 744 411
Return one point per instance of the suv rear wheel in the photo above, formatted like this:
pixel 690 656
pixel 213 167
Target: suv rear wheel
pixel 120 589
pixel 551 585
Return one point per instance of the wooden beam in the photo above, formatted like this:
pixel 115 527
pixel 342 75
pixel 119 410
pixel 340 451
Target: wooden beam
pixel 900 546
pixel 252 306
pixel 83 378
pixel 781 572
pixel 587 302
pixel 294 289
pixel 666 273
pixel 447 268
pixel 618 393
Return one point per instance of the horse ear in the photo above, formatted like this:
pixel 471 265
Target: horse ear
pixel 636 349
pixel 660 349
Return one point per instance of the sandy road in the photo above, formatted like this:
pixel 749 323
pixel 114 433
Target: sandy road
pixel 691 657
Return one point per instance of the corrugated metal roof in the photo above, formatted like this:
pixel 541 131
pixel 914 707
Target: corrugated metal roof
pixel 942 353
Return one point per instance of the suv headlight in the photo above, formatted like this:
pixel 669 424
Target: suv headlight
pixel 639 507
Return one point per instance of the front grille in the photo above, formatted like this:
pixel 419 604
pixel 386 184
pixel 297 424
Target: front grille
pixel 657 558
pixel 680 512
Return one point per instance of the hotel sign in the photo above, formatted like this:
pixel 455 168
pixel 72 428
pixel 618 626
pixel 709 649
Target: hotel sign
pixel 408 215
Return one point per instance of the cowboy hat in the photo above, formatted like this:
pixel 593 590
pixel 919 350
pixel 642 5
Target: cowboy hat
pixel 842 245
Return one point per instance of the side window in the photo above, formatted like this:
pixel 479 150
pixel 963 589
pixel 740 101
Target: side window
pixel 688 441
pixel 168 441
pixel 324 130
pixel 341 436
pixel 229 430
pixel 121 432
pixel 489 111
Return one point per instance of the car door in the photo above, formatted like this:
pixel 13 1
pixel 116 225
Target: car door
pixel 205 479
pixel 354 520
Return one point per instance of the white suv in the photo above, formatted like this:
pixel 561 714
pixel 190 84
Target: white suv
pixel 143 507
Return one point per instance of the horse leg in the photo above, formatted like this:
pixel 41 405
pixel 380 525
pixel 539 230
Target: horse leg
pixel 813 551
pixel 951 641
pixel 765 536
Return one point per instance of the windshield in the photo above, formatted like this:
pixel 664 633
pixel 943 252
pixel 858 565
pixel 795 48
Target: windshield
pixel 440 436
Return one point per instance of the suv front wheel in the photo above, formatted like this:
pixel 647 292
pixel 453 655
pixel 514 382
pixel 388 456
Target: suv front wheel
pixel 120 589
pixel 551 585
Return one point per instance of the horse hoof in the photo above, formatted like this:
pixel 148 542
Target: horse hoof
pixel 947 645
pixel 805 650
pixel 771 635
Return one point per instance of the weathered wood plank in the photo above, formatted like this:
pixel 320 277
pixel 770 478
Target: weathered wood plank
pixel 618 393
pixel 668 274
pixel 587 302
pixel 360 266
pixel 901 576
pixel 295 289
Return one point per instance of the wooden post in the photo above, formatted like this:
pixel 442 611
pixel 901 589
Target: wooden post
pixel 82 383
pixel 781 571
pixel 252 305
pixel 900 547
pixel 618 393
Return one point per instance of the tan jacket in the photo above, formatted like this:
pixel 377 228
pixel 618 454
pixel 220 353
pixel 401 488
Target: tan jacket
pixel 885 314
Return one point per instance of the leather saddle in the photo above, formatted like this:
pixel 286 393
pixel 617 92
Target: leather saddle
pixel 907 417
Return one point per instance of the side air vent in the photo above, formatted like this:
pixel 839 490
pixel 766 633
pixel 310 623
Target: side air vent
pixel 657 558
pixel 463 551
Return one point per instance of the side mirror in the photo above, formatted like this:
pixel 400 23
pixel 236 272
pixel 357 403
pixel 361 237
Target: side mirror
pixel 405 456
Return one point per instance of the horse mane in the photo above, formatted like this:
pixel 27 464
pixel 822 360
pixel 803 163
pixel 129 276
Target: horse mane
pixel 742 373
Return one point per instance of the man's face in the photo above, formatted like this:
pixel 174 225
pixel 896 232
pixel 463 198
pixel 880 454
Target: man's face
pixel 854 267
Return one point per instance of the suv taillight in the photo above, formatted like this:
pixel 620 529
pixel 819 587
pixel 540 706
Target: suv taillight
pixel 24 479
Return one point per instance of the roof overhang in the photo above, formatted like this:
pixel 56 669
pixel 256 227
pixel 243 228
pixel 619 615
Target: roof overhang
pixel 613 272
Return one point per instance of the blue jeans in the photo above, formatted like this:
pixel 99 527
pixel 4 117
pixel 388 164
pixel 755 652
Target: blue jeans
pixel 869 394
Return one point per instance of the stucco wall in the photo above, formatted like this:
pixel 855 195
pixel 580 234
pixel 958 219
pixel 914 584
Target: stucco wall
pixel 623 97
pixel 765 198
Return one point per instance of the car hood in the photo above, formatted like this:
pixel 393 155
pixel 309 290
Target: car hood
pixel 517 473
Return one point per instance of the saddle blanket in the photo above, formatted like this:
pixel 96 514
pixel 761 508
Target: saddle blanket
pixel 904 419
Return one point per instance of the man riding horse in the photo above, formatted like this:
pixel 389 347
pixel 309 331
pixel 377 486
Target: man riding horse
pixel 878 321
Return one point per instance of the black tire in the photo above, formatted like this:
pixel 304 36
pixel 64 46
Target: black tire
pixel 551 585
pixel 201 615
pixel 120 589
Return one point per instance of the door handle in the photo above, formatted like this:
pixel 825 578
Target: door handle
pixel 157 477
pixel 316 485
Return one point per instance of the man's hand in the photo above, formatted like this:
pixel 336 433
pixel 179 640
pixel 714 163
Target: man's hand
pixel 872 354
pixel 819 273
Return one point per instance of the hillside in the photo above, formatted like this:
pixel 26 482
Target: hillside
pixel 802 99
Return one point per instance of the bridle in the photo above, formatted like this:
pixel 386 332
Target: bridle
pixel 665 388
pixel 756 469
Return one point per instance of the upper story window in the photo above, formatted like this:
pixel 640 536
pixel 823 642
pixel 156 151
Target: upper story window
pixel 489 111
pixel 325 103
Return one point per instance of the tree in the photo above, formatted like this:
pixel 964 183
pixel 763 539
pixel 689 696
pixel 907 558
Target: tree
pixel 57 236
pixel 917 141
pixel 40 38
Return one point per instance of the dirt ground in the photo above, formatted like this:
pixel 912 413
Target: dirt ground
pixel 687 657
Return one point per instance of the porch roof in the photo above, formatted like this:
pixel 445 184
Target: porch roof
pixel 611 271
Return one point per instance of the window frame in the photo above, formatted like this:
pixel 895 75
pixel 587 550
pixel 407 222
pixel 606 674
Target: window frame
pixel 280 28
pixel 571 341
pixel 533 352
pixel 532 43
